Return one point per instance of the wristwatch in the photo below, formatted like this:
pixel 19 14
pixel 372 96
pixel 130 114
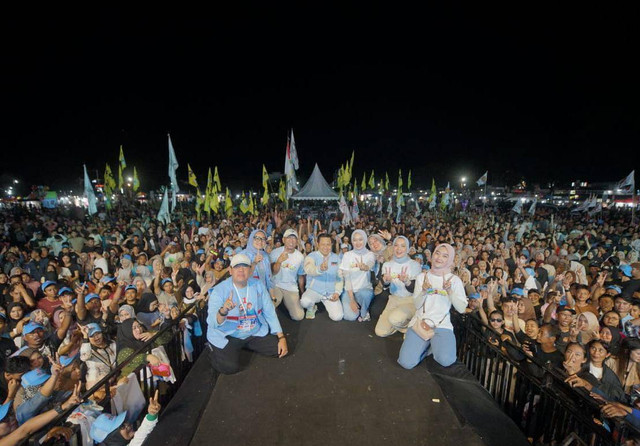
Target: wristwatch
pixel 221 313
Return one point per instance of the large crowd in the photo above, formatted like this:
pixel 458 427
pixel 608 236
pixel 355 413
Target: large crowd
pixel 79 296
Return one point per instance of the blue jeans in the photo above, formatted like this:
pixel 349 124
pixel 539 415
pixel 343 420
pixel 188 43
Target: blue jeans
pixel 363 298
pixel 414 348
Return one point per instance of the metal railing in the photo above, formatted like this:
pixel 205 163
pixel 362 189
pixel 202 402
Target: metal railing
pixel 180 367
pixel 533 394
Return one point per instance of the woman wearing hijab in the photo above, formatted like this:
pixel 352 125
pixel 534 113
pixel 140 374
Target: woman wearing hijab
pixel 126 269
pixel 260 266
pixel 588 326
pixel 131 336
pixel 148 313
pixel 398 275
pixel 435 292
pixel 355 267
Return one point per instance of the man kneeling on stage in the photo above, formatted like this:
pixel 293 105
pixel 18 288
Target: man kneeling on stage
pixel 241 315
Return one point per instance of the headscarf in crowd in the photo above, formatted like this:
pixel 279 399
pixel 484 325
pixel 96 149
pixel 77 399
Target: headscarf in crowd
pixel 144 313
pixel 379 253
pixel 362 251
pixel 405 258
pixel 125 338
pixel 445 269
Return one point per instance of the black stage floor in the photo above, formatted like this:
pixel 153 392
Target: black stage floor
pixel 339 385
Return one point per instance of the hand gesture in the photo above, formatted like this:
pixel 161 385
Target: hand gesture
pixel 447 285
pixel 228 304
pixel 66 302
pixel 325 264
pixel 403 275
pixel 386 277
pixel 362 266
pixel 258 258
pixel 13 386
pixel 334 297
pixel 84 330
pixel 284 256
pixel 426 284
pixel 60 433
pixel 154 404
pixel 75 398
pixel 385 234
pixel 144 337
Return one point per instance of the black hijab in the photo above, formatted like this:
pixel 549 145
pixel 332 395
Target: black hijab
pixel 125 338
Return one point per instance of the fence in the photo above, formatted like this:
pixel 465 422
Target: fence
pixel 174 350
pixel 535 396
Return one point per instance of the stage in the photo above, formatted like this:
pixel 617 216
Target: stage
pixel 340 384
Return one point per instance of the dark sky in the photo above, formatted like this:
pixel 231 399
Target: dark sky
pixel 447 94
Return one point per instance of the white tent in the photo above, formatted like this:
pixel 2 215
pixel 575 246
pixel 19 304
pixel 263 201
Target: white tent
pixel 316 188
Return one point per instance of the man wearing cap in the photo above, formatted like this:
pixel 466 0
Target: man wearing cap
pixel 288 274
pixel 167 295
pixel 633 284
pixel 241 315
pixel 89 309
pixel 564 319
pixel 50 301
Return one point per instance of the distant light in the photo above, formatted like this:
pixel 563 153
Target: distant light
pixel 463 179
pixel 94 181
pixel 15 181
pixel 129 179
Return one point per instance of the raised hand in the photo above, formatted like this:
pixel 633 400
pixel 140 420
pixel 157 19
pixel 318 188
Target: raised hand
pixel 386 277
pixel 258 258
pixel 362 266
pixel 426 284
pixel 447 285
pixel 284 256
pixel 228 304
pixel 154 404
pixel 325 264
pixel 403 274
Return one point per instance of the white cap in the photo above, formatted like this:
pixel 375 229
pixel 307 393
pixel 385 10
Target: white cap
pixel 240 259
pixel 290 232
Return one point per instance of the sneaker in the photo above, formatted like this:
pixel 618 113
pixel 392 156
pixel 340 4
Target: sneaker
pixel 367 318
pixel 311 312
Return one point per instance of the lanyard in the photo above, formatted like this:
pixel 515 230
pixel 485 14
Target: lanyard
pixel 242 307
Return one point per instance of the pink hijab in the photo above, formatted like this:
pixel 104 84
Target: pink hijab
pixel 446 269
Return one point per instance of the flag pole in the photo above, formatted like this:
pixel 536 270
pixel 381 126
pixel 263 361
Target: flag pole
pixel 485 197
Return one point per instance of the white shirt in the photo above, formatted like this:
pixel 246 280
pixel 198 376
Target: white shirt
pixel 354 278
pixel 397 287
pixel 290 269
pixel 437 305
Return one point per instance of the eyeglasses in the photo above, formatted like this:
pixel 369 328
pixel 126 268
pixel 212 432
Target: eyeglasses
pixel 495 320
pixel 260 239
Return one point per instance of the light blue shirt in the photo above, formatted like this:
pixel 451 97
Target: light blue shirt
pixel 258 300
pixel 325 282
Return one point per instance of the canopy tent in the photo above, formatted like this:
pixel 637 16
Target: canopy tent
pixel 316 188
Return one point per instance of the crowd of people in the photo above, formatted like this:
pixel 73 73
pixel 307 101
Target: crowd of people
pixel 80 295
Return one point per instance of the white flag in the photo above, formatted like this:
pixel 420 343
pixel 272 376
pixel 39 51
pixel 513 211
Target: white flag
pixel 595 210
pixel 627 184
pixel 483 179
pixel 432 203
pixel 418 211
pixel 290 165
pixel 163 214
pixel 355 211
pixel 293 153
pixel 398 214
pixel 517 208
pixel 88 192
pixel 346 215
pixel 532 209
pixel 390 207
pixel 173 166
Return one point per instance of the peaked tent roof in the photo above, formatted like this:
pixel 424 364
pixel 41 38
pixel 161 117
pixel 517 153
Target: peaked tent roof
pixel 316 188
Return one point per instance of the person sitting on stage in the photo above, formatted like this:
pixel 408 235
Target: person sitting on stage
pixel 288 274
pixel 241 315
pixel 435 292
pixel 355 268
pixel 325 283
pixel 399 276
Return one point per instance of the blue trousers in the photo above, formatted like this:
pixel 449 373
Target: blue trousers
pixel 363 298
pixel 414 349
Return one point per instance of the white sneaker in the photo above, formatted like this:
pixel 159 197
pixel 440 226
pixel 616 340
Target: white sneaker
pixel 367 318
pixel 311 312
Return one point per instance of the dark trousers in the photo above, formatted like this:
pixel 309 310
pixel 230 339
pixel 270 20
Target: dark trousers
pixel 378 304
pixel 227 360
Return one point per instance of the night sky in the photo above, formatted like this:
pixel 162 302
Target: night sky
pixel 553 97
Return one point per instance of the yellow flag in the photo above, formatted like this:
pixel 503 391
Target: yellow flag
pixel 192 177
pixel 121 159
pixel 216 178
pixel 265 177
pixel 265 198
pixel 228 204
pixel 409 180
pixel 213 198
pixel 109 181
pixel 120 180
pixel 251 206
pixel 282 193
pixel 363 185
pixel 207 194
pixel 244 206
pixel 136 181
pixel 353 154
pixel 199 202
pixel 372 181
pixel 399 178
pixel 386 181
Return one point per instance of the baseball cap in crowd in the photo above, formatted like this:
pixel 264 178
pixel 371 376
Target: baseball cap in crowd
pixel 4 410
pixel 34 378
pixel 344 245
pixel 615 288
pixel 105 424
pixel 530 271
pixel 228 250
pixel 107 279
pixel 200 252
pixel 626 270
pixel 289 232
pixel 126 256
pixel 474 296
pixel 15 271
pixel 131 287
pixel 165 280
pixel 565 308
pixel 240 259
pixel 65 289
pixel 89 297
pixel 31 326
pixel 47 284
pixel 66 360
pixel 93 328
pixel 517 292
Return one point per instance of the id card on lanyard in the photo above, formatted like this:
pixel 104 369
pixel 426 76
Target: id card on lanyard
pixel 246 320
